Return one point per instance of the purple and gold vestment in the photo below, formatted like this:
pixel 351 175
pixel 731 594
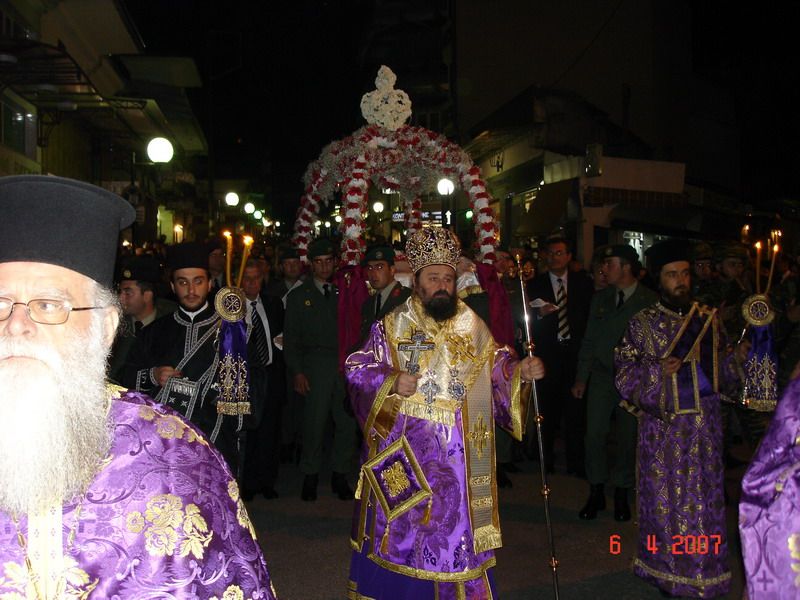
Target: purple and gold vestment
pixel 769 510
pixel 427 508
pixel 680 469
pixel 162 519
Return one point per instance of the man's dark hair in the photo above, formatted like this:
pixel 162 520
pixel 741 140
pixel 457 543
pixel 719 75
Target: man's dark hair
pixel 172 274
pixel 636 266
pixel 147 286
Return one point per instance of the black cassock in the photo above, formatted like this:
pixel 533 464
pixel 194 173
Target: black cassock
pixel 188 345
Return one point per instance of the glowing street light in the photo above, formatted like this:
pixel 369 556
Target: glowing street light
pixel 377 207
pixel 249 208
pixel 232 199
pixel 159 150
pixel 445 187
pixel 258 214
pixel 338 218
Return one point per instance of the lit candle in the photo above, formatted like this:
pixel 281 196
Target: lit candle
pixel 228 255
pixel 775 249
pixel 758 267
pixel 248 241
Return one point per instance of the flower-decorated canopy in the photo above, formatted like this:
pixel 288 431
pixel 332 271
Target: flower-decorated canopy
pixel 406 159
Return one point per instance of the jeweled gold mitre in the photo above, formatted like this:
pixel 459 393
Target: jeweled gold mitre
pixel 432 246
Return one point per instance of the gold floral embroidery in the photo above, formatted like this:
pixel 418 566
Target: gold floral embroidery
pixel 169 427
pixel 135 522
pixel 164 510
pixel 244 518
pixel 197 534
pixel 396 479
pixel 794 549
pixel 233 490
pixel 234 592
pixel 15 577
pixel 147 413
pixel 168 518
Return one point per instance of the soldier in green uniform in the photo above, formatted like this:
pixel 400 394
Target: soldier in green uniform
pixel 378 265
pixel 731 288
pixel 610 311
pixel 311 351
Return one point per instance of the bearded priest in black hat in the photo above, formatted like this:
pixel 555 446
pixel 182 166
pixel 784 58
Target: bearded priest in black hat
pixel 104 493
pixel 673 366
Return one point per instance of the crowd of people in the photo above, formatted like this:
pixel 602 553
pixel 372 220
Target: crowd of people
pixel 433 390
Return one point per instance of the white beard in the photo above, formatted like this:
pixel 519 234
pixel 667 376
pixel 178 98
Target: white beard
pixel 54 419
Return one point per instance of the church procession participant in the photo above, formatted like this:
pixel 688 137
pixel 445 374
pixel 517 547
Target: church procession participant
pixel 176 361
pixel 673 365
pixel 105 493
pixel 427 387
pixel 311 353
pixel 267 386
pixel 378 264
pixel 141 306
pixel 610 311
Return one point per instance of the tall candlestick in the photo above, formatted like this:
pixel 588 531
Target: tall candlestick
pixel 775 249
pixel 228 256
pixel 248 241
pixel 758 267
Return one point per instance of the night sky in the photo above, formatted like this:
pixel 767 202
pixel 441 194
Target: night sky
pixel 283 79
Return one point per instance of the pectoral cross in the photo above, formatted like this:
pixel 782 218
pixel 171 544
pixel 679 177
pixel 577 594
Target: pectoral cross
pixel 415 345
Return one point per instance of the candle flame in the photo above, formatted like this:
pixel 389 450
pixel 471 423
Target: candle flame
pixel 248 240
pixel 226 233
pixel 775 248
pixel 758 245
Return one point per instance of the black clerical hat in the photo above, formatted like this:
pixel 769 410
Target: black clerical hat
pixel 62 222
pixel 188 255
pixel 668 251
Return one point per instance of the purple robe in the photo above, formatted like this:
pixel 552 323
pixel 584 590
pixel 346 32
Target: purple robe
pixel 683 542
pixel 769 510
pixel 162 519
pixel 445 541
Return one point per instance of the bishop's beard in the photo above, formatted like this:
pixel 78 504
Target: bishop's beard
pixel 441 306
pixel 54 418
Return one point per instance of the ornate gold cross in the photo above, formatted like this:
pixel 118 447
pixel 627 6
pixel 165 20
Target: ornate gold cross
pixel 460 347
pixel 415 345
pixel 479 436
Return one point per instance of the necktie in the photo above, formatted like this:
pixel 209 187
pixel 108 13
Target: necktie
pixel 326 290
pixel 620 298
pixel 137 327
pixel 259 336
pixel 561 303
pixel 377 304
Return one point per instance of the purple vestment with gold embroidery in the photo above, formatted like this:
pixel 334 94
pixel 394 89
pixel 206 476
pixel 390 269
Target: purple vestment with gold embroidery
pixel 427 499
pixel 683 542
pixel 769 510
pixel 162 519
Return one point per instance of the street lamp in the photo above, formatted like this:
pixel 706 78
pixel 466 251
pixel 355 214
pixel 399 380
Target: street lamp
pixel 249 208
pixel 377 207
pixel 160 150
pixel 232 199
pixel 445 187
pixel 258 214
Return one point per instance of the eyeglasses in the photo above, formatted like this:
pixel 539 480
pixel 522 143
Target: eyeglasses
pixel 42 310
pixel 557 252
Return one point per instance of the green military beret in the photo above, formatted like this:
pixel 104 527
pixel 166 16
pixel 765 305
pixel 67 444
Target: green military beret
pixel 381 252
pixel 625 251
pixel 321 247
pixel 702 251
pixel 285 252
pixel 725 250
pixel 140 268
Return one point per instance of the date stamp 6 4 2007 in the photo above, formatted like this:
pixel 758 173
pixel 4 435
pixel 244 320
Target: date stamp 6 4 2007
pixel 681 544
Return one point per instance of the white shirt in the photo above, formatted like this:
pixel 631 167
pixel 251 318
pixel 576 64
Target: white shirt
pixel 554 282
pixel 263 314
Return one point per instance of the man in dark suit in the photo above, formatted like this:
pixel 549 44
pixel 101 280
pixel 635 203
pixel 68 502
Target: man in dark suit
pixel 563 298
pixel 378 265
pixel 267 384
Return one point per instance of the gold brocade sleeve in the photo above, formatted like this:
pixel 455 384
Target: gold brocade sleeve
pixel 385 408
pixel 519 403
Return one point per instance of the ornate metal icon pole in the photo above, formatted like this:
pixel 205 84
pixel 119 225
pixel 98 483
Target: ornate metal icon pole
pixel 538 419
